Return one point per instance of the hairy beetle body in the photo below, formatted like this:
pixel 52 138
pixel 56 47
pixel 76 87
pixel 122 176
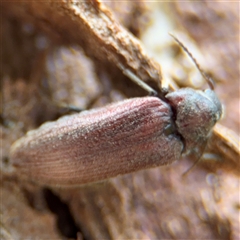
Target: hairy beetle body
pixel 119 138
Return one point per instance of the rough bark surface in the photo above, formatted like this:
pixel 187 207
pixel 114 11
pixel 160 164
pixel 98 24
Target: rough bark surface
pixel 61 53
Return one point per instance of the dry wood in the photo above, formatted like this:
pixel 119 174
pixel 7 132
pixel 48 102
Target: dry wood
pixel 155 203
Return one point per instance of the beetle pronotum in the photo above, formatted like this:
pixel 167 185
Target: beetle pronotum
pixel 119 138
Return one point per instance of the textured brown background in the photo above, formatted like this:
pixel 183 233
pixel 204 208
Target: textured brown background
pixel 49 57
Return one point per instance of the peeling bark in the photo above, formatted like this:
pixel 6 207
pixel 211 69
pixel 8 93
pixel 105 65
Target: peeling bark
pixel 47 45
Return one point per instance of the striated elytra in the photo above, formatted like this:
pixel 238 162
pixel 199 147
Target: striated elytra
pixel 119 138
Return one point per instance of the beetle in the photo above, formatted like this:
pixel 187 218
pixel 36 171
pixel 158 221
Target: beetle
pixel 119 138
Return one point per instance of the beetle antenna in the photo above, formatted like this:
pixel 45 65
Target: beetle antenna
pixel 194 164
pixel 198 157
pixel 209 80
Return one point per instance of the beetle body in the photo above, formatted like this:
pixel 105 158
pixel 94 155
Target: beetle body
pixel 119 138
